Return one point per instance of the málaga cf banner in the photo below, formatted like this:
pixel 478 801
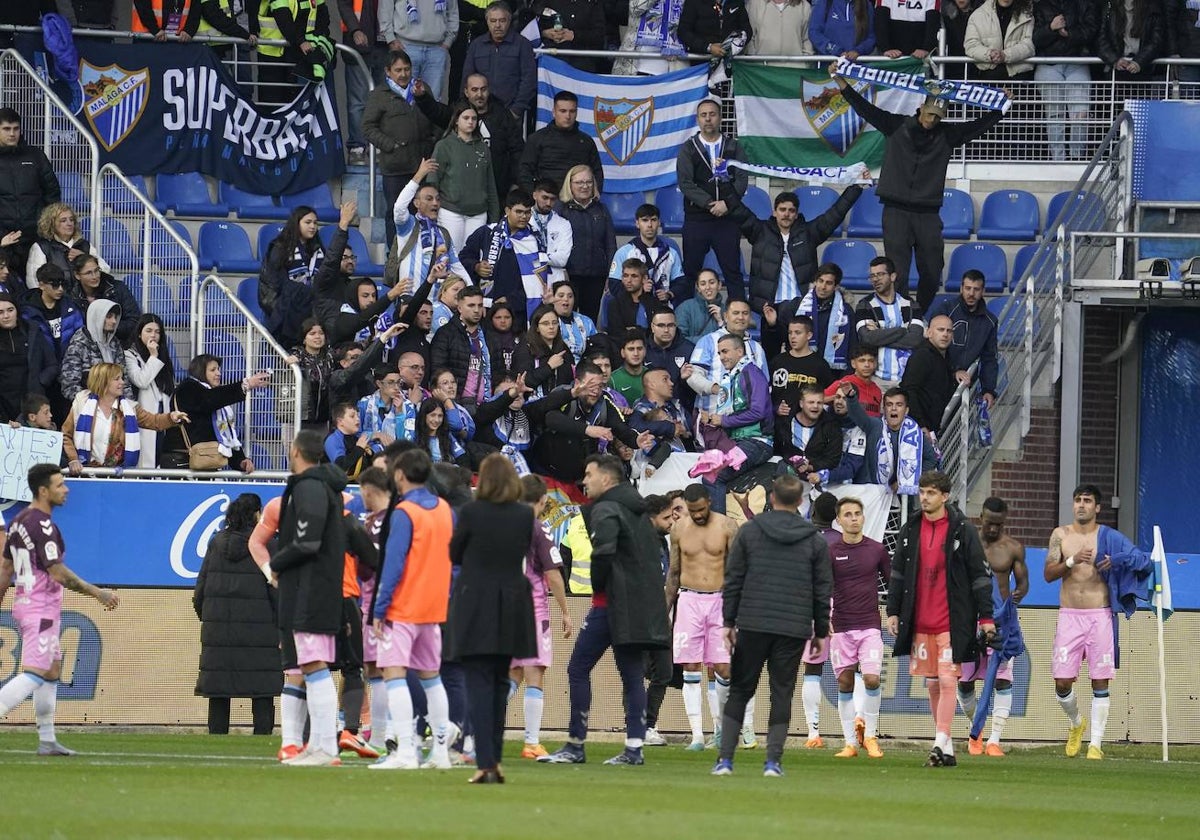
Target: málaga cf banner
pixel 788 117
pixel 638 122
pixel 175 108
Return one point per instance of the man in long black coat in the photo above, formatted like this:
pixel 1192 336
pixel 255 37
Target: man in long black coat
pixel 628 613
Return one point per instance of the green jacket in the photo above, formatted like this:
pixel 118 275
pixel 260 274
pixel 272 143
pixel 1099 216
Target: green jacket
pixel 464 177
pixel 401 133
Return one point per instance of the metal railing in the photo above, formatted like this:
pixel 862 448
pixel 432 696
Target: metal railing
pixel 1029 336
pixel 270 416
pixel 153 256
pixel 48 124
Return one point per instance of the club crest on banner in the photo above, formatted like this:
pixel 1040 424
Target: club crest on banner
pixel 114 99
pixel 622 125
pixel 830 116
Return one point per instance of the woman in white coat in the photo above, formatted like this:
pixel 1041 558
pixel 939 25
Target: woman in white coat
pixel 999 39
pixel 148 362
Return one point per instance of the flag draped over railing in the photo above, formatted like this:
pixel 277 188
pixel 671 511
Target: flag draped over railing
pixel 639 122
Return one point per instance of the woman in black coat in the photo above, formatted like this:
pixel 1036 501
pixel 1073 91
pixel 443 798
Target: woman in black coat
pixel 491 610
pixel 239 639
pixel 207 404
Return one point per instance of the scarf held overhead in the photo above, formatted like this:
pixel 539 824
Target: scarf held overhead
pixel 968 93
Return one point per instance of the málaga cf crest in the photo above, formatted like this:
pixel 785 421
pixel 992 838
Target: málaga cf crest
pixel 830 116
pixel 622 125
pixel 113 100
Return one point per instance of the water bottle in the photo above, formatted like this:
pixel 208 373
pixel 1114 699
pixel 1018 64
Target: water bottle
pixel 985 423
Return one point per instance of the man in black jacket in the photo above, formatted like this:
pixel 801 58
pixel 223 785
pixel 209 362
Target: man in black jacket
pixel 711 192
pixel 814 437
pixel 628 611
pixel 778 581
pixel 465 349
pixel 940 565
pixel 27 185
pixel 309 567
pixel 500 129
pixel 912 182
pixel 929 378
pixel 774 280
pixel 553 149
pixel 975 330
pixel 578 422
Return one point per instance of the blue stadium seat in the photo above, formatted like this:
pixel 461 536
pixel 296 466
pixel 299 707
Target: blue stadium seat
pixel 941 303
pixel 622 207
pixel 1011 329
pixel 958 214
pixel 758 202
pixel 816 200
pixel 75 191
pixel 115 245
pixel 982 256
pixel 1011 215
pixel 165 252
pixel 1024 258
pixel 866 216
pixel 247 292
pixel 134 282
pixel 854 256
pixel 356 243
pixel 669 201
pixel 249 205
pixel 319 198
pixel 1089 215
pixel 163 301
pixel 225 247
pixel 233 354
pixel 218 305
pixel 266 235
pixel 120 199
pixel 186 194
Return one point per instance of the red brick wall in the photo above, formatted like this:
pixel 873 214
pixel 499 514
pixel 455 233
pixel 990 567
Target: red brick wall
pixel 1030 485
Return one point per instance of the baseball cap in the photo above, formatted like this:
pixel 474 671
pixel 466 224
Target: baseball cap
pixel 935 106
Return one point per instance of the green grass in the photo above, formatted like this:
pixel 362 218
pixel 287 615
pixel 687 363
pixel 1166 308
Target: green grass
pixel 139 785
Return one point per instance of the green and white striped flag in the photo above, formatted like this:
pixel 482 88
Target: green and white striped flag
pixel 791 118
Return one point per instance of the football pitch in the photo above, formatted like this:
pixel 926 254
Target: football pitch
pixel 183 785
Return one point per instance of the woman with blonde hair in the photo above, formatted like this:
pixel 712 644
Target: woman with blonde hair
pixel 594 237
pixel 103 428
pixel 491 619
pixel 58 243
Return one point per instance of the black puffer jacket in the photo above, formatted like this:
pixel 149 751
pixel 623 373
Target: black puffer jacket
pixel 594 239
pixel 1110 40
pixel 766 251
pixel 551 151
pixel 779 578
pixel 915 159
pixel 312 558
pixel 239 636
pixel 451 349
pixel 968 584
pixel 627 567
pixel 29 185
pixel 27 366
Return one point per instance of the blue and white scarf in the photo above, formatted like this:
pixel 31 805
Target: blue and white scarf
pixel 714 156
pixel 518 460
pixel 892 360
pixel 85 419
pixel 968 93
pixel 224 429
pixel 908 459
pixel 304 266
pixel 575 333
pixel 414 14
pixel 533 265
pixel 372 421
pixel 836 346
pixel 659 28
pixel 405 93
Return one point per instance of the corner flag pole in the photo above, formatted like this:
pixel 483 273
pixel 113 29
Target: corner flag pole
pixel 1160 554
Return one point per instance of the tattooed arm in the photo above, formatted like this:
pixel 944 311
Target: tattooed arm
pixel 1055 568
pixel 72 581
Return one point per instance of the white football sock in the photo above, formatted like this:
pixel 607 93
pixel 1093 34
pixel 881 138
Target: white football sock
pixel 293 707
pixel 691 704
pixel 1100 705
pixel 811 694
pixel 379 709
pixel 45 701
pixel 721 695
pixel 748 718
pixel 860 695
pixel 400 714
pixel 322 710
pixel 439 711
pixel 1070 705
pixel 873 700
pixel 535 704
pixel 16 690
pixel 968 702
pixel 1001 709
pixel 846 713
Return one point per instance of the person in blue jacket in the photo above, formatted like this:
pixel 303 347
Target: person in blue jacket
pixel 843 27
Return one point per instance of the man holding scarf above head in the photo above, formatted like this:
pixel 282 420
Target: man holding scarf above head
pixel 508 260
pixel 912 181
